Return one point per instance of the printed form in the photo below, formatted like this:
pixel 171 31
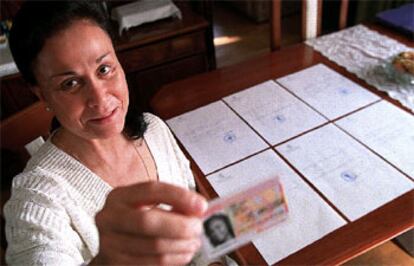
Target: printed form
pixel 353 178
pixel 327 91
pixel 309 218
pixel 273 112
pixel 215 136
pixel 387 130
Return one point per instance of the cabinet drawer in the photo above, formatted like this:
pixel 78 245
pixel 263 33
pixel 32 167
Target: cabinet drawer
pixel 158 53
pixel 144 84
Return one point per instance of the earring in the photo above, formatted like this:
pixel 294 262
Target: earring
pixel 48 109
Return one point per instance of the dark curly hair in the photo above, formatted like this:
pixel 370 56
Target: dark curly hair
pixel 36 21
pixel 207 227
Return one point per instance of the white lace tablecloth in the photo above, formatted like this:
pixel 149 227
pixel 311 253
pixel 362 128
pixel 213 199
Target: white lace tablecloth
pixel 367 53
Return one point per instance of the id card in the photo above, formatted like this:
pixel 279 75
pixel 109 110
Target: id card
pixel 236 220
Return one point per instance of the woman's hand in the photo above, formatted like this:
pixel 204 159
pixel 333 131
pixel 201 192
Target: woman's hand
pixel 131 232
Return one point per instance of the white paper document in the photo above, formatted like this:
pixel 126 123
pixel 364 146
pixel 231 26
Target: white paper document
pixel 353 178
pixel 215 136
pixel 387 130
pixel 309 219
pixel 273 112
pixel 327 91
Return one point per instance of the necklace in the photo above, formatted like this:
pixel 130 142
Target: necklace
pixel 142 160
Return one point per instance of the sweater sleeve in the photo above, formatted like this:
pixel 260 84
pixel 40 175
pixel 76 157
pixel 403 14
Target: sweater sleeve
pixel 38 229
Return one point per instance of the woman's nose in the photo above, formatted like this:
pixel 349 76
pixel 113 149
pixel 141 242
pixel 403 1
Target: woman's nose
pixel 96 93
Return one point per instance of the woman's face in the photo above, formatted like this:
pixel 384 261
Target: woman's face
pixel 218 230
pixel 81 81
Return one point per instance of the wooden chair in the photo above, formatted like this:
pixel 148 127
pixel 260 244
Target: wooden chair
pixel 311 20
pixel 15 132
pixel 23 127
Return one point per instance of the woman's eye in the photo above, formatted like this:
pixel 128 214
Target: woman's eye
pixel 103 70
pixel 70 84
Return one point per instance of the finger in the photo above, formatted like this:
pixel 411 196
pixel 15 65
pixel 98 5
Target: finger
pixel 162 246
pixel 165 259
pixel 139 259
pixel 149 246
pixel 156 223
pixel 149 193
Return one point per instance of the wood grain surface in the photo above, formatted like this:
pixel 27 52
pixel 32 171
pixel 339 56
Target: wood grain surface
pixel 342 244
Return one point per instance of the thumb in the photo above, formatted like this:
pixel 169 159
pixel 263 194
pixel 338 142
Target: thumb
pixel 180 199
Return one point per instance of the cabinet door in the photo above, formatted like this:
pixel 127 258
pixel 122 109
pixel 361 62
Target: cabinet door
pixel 168 50
pixel 143 85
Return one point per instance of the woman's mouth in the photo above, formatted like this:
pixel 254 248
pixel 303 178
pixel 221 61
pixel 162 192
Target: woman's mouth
pixel 105 118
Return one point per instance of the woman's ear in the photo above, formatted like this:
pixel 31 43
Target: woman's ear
pixel 38 92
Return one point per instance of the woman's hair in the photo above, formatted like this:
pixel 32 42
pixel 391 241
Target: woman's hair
pixel 36 21
pixel 207 227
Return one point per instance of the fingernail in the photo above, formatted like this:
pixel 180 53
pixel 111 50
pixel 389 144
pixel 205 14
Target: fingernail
pixel 199 203
pixel 203 205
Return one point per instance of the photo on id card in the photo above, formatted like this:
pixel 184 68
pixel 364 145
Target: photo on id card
pixel 235 220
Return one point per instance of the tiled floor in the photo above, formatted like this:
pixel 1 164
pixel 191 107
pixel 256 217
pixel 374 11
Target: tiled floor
pixel 238 39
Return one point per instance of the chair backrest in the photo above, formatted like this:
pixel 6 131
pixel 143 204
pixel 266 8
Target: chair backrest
pixel 15 132
pixel 23 127
pixel 311 20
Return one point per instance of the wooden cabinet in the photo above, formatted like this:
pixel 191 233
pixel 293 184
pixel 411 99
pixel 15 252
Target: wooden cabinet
pixel 161 52
pixel 145 56
pixel 152 55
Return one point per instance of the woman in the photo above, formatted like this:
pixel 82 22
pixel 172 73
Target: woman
pixel 218 229
pixel 89 194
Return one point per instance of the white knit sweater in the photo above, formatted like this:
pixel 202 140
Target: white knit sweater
pixel 50 216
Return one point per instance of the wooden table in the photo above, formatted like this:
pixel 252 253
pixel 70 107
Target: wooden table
pixel 344 243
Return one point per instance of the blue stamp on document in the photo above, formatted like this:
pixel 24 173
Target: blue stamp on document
pixel 344 91
pixel 229 137
pixel 348 176
pixel 279 118
pixel 292 148
pixel 222 177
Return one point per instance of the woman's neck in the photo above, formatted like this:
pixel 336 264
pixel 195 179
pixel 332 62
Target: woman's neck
pixel 117 160
pixel 104 150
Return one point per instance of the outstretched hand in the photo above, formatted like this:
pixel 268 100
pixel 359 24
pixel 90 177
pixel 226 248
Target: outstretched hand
pixel 132 231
